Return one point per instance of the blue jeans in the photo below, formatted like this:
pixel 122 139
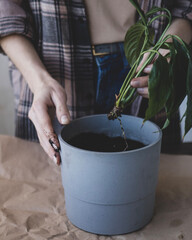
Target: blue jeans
pixel 111 72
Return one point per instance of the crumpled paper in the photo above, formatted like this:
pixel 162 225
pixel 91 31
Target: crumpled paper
pixel 32 203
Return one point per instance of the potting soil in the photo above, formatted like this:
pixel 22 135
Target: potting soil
pixel 103 143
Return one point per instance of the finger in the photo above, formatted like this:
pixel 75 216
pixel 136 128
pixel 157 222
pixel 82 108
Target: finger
pixel 44 139
pixel 51 141
pixel 62 111
pixel 41 113
pixel 42 116
pixel 54 155
pixel 148 68
pixel 41 135
pixel 140 82
pixel 145 57
pixel 143 92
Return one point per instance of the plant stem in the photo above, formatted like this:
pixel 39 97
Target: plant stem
pixel 140 11
pixel 126 92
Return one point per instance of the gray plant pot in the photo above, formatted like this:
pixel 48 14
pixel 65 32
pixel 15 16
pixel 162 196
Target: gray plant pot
pixel 110 193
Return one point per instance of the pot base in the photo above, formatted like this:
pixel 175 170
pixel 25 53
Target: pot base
pixel 110 219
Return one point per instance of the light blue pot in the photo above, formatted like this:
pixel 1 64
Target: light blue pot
pixel 110 193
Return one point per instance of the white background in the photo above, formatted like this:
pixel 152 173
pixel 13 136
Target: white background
pixel 6 99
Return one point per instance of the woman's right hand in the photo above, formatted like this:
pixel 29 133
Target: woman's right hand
pixel 46 96
pixel 48 93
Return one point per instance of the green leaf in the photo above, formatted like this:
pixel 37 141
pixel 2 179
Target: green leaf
pixel 159 87
pixel 166 124
pixel 178 73
pixel 139 10
pixel 134 41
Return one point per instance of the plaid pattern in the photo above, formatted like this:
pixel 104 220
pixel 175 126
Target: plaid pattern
pixel 59 31
pixel 178 8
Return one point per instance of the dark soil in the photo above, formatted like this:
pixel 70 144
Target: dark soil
pixel 103 143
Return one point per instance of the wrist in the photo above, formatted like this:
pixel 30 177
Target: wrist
pixel 182 28
pixel 37 79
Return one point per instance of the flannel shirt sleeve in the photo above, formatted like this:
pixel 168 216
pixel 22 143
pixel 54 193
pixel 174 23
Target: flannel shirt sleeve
pixel 15 18
pixel 182 9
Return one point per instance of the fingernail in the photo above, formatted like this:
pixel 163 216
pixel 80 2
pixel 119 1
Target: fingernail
pixel 64 119
pixel 134 83
pixel 57 149
pixel 55 159
pixel 140 90
pixel 148 68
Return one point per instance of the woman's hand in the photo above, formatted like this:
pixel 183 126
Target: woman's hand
pixel 141 83
pixel 49 96
pixel 48 93
pixel 180 27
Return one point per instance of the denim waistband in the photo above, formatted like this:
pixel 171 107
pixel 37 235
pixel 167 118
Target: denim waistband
pixel 108 48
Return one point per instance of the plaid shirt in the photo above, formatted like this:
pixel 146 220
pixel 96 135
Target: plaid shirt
pixel 59 31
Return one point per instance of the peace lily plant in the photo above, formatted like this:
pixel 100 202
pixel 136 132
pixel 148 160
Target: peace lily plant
pixel 170 80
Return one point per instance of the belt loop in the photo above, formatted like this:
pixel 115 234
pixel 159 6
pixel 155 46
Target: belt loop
pixel 98 54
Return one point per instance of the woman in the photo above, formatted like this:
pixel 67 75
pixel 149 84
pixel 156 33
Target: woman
pixel 58 47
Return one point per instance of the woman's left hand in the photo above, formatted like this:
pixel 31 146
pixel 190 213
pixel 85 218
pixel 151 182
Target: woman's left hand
pixel 141 83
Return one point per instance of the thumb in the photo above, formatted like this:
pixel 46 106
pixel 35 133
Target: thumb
pixel 62 111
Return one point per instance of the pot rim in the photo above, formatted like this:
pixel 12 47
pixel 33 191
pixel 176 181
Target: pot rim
pixel 112 153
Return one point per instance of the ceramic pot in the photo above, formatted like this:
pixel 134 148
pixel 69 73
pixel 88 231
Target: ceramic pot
pixel 110 193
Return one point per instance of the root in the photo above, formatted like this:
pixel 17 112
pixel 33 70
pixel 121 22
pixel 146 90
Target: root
pixel 115 113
